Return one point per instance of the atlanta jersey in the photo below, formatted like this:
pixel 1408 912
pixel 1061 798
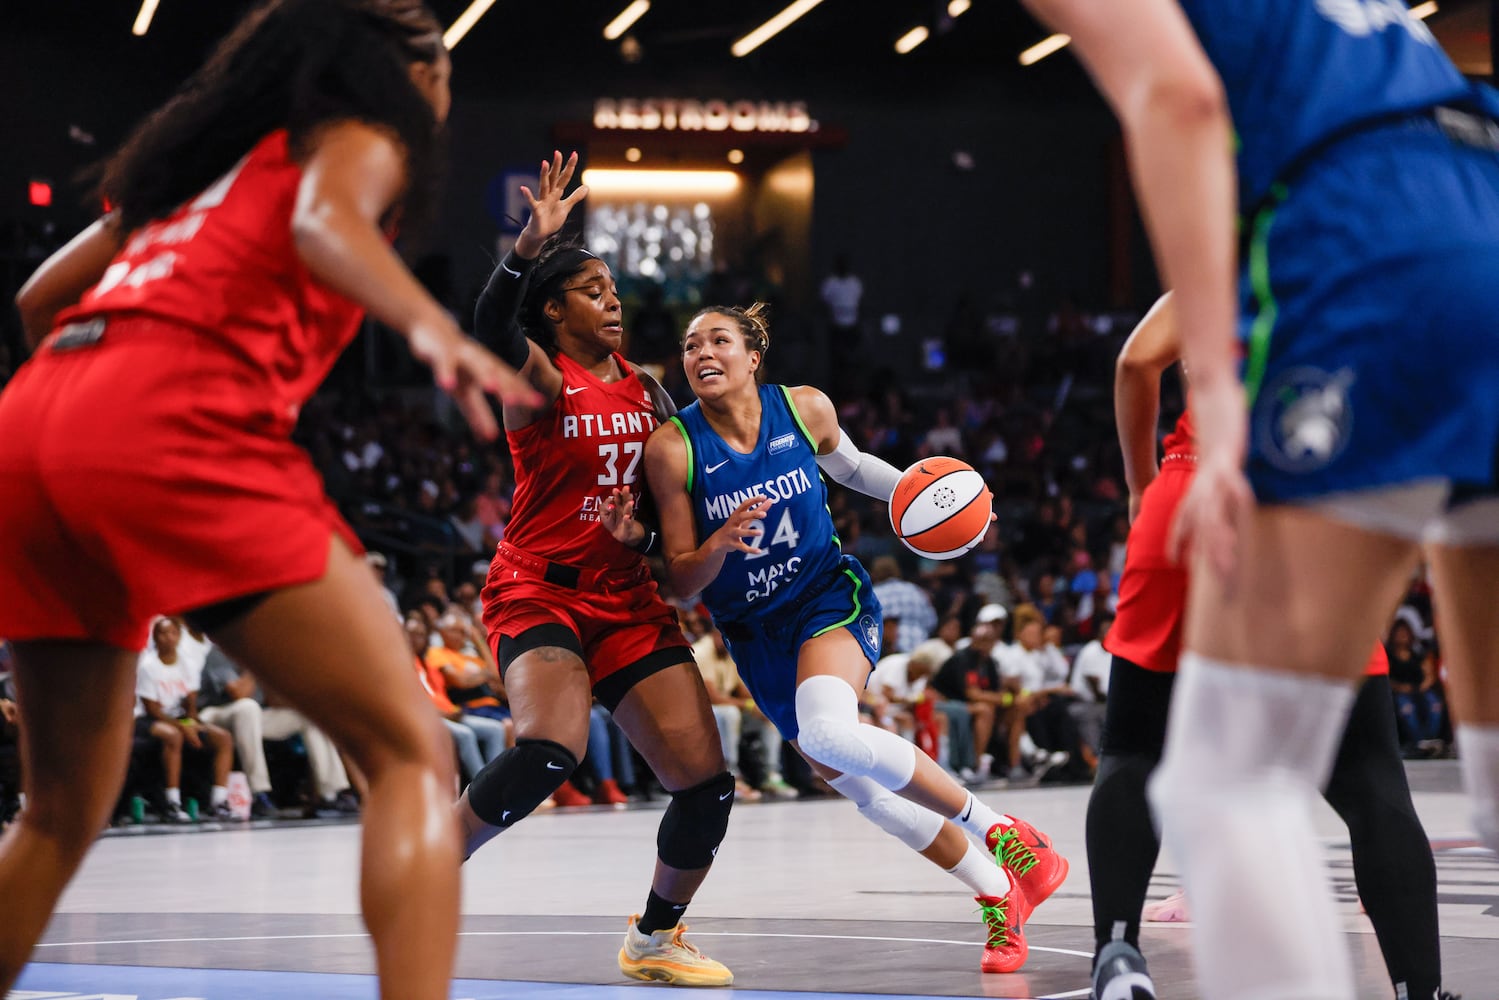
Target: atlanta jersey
pixel 566 463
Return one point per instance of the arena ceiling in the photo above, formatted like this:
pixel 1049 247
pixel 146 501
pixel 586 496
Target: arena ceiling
pixel 559 44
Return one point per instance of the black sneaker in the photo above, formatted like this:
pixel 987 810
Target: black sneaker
pixel 261 807
pixel 1120 974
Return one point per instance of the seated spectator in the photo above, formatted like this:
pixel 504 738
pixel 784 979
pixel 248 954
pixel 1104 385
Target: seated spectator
pixel 1090 682
pixel 229 696
pixel 1420 704
pixel 903 600
pixel 737 716
pixel 477 739
pixel 608 756
pixel 900 681
pixel 166 710
pixel 970 678
pixel 467 667
pixel 1041 675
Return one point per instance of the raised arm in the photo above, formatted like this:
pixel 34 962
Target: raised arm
pixel 1153 347
pixel 64 277
pixel 691 566
pixel 497 313
pixel 351 178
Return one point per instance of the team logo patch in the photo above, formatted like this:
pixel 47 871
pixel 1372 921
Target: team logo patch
pixel 871 632
pixel 1304 419
pixel 783 443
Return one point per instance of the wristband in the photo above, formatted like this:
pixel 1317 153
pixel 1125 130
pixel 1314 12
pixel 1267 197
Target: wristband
pixel 647 543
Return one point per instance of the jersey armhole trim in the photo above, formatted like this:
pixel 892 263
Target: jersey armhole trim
pixel 686 440
pixel 791 405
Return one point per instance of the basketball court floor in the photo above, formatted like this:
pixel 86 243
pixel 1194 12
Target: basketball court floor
pixel 806 900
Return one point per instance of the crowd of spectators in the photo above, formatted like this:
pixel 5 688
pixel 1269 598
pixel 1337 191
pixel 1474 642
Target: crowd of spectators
pixel 994 665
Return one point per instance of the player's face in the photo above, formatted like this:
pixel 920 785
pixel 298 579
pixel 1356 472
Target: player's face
pixel 432 80
pixel 589 310
pixel 716 358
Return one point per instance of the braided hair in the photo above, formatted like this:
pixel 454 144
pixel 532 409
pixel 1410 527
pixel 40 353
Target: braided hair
pixel 561 259
pixel 292 64
pixel 754 327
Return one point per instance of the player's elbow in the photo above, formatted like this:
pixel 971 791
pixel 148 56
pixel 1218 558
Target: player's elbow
pixel 1183 98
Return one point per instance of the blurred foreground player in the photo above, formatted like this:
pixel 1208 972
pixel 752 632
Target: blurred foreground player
pixel 147 459
pixel 1367 185
pixel 1392 861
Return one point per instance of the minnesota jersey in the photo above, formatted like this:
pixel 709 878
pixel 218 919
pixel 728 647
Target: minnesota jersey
pixel 1298 72
pixel 797 548
pixel 224 264
pixel 567 462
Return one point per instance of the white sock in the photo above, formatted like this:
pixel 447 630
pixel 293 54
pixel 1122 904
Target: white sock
pixel 220 796
pixel 977 818
pixel 1478 748
pixel 978 871
pixel 174 796
pixel 1246 751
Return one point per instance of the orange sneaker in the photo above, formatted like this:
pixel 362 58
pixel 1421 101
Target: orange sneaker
pixel 567 794
pixel 1005 949
pixel 1029 856
pixel 608 793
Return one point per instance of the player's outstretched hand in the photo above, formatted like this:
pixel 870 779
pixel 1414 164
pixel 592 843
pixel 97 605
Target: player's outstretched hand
pixel 549 209
pixel 466 371
pixel 743 524
pixel 618 517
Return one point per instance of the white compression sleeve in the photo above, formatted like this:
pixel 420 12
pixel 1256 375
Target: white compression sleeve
pixel 859 470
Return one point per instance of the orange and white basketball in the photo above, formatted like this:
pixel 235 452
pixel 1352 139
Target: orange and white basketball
pixel 941 508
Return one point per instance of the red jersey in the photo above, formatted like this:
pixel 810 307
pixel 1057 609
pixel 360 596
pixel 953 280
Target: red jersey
pixel 1153 590
pixel 225 265
pixel 567 461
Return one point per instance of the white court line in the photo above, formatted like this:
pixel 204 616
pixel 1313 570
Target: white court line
pixel 759 934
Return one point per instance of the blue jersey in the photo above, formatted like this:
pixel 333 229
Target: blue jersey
pixel 798 548
pixel 1299 72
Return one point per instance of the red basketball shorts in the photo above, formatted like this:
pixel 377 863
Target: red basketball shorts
pixel 148 473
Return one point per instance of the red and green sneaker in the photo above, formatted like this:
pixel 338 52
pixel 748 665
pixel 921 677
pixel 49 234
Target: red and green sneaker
pixel 1005 949
pixel 1028 855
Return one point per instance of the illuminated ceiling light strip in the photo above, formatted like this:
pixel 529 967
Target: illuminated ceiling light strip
pixel 465 21
pixel 905 43
pixel 625 18
pixel 1422 11
pixel 771 28
pixel 1044 48
pixel 684 183
pixel 143 19
pixel 957 8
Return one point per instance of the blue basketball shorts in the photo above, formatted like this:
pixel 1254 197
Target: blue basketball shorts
pixel 766 649
pixel 1370 319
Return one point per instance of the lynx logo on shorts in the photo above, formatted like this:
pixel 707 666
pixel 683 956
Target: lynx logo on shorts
pixel 783 443
pixel 1362 18
pixel 871 632
pixel 1304 419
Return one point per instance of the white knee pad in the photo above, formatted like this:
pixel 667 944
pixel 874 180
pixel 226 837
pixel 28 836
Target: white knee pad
pixel 827 714
pixel 1246 752
pixel 1479 749
pixel 907 822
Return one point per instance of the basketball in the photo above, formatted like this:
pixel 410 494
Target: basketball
pixel 941 508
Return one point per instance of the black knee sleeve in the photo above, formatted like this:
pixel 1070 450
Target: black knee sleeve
pixel 695 823
pixel 518 780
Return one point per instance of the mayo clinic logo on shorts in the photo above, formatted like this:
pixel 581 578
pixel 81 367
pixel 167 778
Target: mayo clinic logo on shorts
pixel 1303 419
pixel 871 632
